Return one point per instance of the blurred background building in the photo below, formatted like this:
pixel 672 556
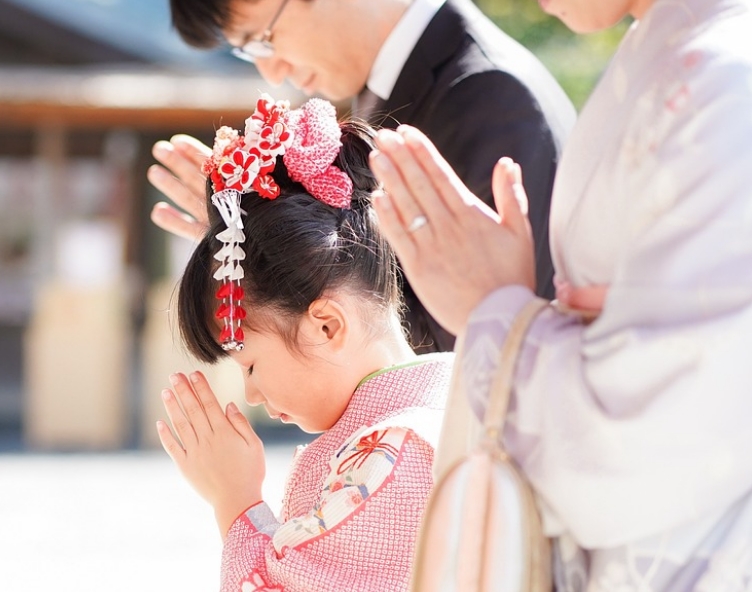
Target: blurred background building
pixel 86 280
pixel 86 88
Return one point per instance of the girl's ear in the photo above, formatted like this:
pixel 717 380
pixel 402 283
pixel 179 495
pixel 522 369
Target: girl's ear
pixel 327 322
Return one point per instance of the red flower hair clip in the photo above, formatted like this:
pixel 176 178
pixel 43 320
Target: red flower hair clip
pixel 245 163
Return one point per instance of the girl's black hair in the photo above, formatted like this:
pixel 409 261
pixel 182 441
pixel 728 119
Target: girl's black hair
pixel 297 249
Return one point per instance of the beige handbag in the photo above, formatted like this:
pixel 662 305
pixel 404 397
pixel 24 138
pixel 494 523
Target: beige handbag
pixel 481 531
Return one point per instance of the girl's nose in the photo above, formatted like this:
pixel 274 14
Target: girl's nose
pixel 253 396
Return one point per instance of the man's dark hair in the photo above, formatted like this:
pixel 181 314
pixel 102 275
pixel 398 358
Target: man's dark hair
pixel 200 22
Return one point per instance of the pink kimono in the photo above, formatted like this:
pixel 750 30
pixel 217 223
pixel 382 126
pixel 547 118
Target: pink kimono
pixel 354 497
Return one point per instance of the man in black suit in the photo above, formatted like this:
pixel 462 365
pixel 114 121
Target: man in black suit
pixel 439 65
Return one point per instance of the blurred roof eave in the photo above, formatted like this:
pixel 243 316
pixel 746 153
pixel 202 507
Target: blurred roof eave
pixel 107 30
pixel 105 63
pixel 144 97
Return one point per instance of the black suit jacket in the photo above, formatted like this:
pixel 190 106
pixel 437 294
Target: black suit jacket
pixel 479 95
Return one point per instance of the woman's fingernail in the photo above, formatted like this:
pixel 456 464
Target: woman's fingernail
pixel 380 161
pixel 194 376
pixel 410 134
pixel 389 139
pixel 166 394
pixel 174 379
pixel 381 200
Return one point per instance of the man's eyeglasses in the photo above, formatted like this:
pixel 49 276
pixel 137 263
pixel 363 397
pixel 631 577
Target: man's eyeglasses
pixel 262 47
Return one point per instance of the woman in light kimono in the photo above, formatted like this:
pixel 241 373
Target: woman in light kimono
pixel 307 304
pixel 635 427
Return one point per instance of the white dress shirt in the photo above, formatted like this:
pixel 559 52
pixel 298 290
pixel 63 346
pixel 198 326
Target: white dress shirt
pixel 399 45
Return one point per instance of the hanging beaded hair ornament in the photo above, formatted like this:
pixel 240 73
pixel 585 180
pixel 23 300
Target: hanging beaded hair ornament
pixel 308 139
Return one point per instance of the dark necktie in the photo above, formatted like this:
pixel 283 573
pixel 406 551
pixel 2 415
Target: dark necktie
pixel 365 105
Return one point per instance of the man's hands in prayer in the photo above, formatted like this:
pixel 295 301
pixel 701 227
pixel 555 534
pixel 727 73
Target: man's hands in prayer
pixel 180 178
pixel 454 249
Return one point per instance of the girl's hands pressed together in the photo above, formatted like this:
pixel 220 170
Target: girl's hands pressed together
pixel 218 453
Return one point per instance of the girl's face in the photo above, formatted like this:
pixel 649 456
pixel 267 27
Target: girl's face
pixel 586 16
pixel 309 388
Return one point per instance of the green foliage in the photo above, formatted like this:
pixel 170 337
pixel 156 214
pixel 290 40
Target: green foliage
pixel 575 60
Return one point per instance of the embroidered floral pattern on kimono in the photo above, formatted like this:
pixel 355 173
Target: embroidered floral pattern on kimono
pixel 362 466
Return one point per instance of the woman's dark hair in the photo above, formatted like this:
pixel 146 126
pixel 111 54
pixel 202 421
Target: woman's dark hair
pixel 297 249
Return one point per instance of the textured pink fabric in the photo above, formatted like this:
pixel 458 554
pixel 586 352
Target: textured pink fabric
pixel 370 551
pixel 315 145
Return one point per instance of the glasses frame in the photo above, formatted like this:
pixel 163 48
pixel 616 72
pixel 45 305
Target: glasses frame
pixel 261 47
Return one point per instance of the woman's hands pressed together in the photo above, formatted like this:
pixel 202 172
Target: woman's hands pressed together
pixel 218 452
pixel 453 248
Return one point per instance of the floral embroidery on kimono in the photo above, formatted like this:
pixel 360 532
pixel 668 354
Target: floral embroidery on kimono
pixel 362 466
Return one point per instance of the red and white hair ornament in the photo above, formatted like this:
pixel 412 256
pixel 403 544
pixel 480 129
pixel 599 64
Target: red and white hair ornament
pixel 230 271
pixel 315 145
pixel 309 140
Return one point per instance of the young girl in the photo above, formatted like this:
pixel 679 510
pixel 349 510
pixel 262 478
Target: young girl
pixel 295 283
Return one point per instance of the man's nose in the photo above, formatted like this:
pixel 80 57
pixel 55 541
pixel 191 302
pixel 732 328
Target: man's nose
pixel 274 70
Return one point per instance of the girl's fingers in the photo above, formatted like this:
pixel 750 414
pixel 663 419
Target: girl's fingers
pixel 170 444
pixel 179 421
pixel 190 403
pixel 241 424
pixel 207 398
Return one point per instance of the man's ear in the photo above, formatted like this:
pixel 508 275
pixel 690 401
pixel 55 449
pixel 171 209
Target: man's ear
pixel 327 322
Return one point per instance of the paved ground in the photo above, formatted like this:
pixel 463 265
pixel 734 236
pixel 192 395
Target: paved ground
pixel 116 522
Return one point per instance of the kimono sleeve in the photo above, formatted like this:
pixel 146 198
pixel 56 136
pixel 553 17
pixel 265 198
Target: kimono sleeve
pixel 315 549
pixel 639 422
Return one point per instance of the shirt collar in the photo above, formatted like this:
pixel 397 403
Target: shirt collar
pixel 399 45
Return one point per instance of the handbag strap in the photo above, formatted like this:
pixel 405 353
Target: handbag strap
pixel 460 430
pixel 503 380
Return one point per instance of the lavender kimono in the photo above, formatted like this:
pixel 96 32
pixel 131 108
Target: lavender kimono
pixel 636 429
